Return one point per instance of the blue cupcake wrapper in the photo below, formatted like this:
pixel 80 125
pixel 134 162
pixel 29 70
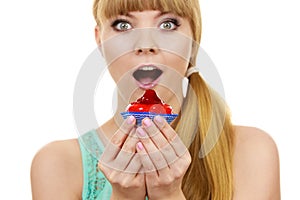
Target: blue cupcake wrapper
pixel 139 116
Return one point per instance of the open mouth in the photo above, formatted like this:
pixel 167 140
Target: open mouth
pixel 147 76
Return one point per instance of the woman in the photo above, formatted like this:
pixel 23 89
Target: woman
pixel 152 161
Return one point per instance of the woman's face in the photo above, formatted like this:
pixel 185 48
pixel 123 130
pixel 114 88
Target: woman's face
pixel 146 50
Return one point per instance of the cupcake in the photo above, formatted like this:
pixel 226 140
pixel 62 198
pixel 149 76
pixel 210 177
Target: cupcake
pixel 149 105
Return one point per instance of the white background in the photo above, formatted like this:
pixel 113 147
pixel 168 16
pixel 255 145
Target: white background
pixel 254 44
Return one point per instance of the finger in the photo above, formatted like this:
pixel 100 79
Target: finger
pixel 135 165
pixel 114 146
pixel 130 142
pixel 154 133
pixel 169 154
pixel 122 160
pixel 148 166
pixel 121 134
pixel 127 152
pixel 106 170
pixel 165 128
pixel 160 141
pixel 178 146
pixel 170 135
pixel 153 152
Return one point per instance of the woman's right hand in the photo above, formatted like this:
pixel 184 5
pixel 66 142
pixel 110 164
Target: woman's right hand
pixel 121 165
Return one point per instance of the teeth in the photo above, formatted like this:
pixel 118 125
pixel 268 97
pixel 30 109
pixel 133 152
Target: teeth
pixel 147 68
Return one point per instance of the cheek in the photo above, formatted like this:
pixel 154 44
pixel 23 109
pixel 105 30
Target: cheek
pixel 116 72
pixel 178 64
pixel 112 70
pixel 120 69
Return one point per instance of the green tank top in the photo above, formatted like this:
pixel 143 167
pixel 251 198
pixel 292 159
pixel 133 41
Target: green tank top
pixel 95 185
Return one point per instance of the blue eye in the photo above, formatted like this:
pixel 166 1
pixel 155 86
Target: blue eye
pixel 121 25
pixel 169 24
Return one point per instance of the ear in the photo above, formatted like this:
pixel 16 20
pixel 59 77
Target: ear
pixel 98 38
pixel 97 35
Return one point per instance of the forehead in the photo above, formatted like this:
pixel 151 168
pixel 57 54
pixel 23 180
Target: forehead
pixel 106 9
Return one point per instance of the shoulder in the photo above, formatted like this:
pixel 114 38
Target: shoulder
pixel 256 164
pixel 253 137
pixel 56 171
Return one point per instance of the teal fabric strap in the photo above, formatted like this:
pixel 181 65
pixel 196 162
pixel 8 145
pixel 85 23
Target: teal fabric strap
pixel 95 185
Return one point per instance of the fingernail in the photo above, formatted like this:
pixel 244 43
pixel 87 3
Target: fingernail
pixel 147 122
pixel 130 120
pixel 159 119
pixel 141 132
pixel 140 146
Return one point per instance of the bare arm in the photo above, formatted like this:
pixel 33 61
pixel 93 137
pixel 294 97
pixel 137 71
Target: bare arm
pixel 256 166
pixel 54 171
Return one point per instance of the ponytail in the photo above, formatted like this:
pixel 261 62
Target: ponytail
pixel 204 126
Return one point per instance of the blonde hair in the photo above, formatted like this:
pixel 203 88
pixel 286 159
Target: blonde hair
pixel 211 176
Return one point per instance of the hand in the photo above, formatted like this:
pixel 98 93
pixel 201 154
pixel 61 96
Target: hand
pixel 121 165
pixel 164 157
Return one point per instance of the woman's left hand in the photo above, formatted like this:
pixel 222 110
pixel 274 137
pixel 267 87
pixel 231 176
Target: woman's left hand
pixel 164 157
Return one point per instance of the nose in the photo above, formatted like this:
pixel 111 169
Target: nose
pixel 145 41
pixel 146 50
